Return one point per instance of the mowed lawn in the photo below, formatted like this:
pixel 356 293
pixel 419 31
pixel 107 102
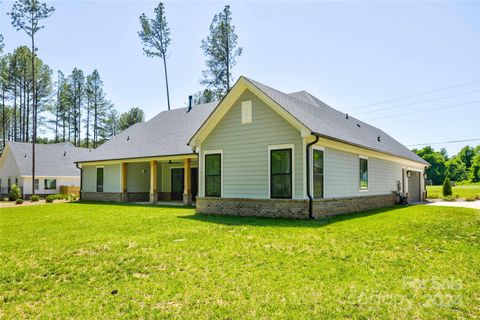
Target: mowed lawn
pixel 462 191
pixel 125 261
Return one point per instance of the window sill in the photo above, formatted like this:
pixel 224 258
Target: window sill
pixel 363 190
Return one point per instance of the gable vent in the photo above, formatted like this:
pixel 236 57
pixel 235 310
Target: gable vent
pixel 247 111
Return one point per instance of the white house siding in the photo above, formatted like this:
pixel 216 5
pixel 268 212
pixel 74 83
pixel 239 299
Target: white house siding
pixel 342 176
pixel 138 177
pixel 8 169
pixel 89 179
pixel 61 181
pixel 111 176
pixel 245 149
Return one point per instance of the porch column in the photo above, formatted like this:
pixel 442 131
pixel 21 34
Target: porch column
pixel 124 183
pixel 153 182
pixel 187 183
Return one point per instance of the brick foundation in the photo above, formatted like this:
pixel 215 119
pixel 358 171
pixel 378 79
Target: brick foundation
pixel 102 196
pixel 287 208
pixel 138 197
pixel 164 196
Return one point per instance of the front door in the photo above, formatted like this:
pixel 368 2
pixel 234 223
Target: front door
pixel 177 184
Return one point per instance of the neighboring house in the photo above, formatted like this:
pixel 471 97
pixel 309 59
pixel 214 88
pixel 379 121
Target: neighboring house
pixel 54 167
pixel 257 152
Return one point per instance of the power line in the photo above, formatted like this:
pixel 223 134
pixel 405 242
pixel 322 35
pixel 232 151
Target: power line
pixel 419 102
pixel 425 110
pixel 413 95
pixel 443 142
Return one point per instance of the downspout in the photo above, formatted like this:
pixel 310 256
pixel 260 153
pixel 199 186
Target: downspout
pixel 310 198
pixel 81 184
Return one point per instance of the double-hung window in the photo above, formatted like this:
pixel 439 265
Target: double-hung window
pixel 100 179
pixel 281 173
pixel 363 174
pixel 318 172
pixel 36 184
pixel 50 184
pixel 213 175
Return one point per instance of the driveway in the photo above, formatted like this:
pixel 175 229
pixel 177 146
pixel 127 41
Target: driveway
pixel 460 204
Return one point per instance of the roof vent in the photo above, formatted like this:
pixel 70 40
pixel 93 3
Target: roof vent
pixel 189 103
pixel 378 139
pixel 346 115
pixel 25 155
pixel 64 153
pixel 128 138
pixel 358 125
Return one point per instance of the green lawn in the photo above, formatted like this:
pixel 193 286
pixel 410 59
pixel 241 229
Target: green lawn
pixel 462 191
pixel 118 261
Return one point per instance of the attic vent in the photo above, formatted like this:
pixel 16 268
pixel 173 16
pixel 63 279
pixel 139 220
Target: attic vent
pixel 378 139
pixel 346 115
pixel 358 125
pixel 25 155
pixel 247 111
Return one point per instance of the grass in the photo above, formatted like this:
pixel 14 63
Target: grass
pixel 462 191
pixel 125 261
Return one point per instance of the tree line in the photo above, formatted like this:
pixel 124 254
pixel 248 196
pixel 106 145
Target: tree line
pixel 464 166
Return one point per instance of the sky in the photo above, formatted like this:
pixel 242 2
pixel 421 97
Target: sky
pixel 351 55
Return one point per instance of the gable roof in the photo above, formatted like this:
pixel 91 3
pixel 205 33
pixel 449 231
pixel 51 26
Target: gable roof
pixel 165 134
pixel 50 159
pixel 322 120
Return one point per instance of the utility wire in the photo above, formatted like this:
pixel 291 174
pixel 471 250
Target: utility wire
pixel 443 142
pixel 413 95
pixel 419 102
pixel 425 110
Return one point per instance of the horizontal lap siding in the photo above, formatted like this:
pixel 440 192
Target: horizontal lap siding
pixel 138 181
pixel 89 179
pixel 111 176
pixel 245 149
pixel 342 176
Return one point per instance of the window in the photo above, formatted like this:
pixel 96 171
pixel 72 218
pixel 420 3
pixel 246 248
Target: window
pixel 281 173
pixel 50 184
pixel 317 173
pixel 247 111
pixel 213 175
pixel 363 174
pixel 9 184
pixel 16 181
pixel 100 179
pixel 36 184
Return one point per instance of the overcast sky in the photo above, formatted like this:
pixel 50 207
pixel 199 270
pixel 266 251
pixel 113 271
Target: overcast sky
pixel 348 54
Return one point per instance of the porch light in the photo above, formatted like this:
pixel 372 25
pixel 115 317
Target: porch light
pixel 425 176
pixel 144 171
pixel 409 174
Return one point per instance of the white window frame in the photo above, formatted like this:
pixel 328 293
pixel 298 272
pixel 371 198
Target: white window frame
pixel 44 180
pixel 222 172
pixel 103 185
pixel 322 148
pixel 280 147
pixel 38 184
pixel 361 156
pixel 247 112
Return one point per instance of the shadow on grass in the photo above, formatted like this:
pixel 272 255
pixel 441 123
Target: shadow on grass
pixel 283 222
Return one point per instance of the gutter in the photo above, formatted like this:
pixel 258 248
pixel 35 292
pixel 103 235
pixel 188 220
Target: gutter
pixel 309 194
pixel 81 184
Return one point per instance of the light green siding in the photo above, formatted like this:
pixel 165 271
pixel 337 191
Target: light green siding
pixel 342 176
pixel 138 177
pixel 112 182
pixel 166 167
pixel 89 179
pixel 245 149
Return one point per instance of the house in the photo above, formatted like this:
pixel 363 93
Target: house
pixel 54 167
pixel 260 152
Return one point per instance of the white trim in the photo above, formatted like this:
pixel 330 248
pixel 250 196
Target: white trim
pixel 361 156
pixel 222 173
pixel 279 147
pixel 317 147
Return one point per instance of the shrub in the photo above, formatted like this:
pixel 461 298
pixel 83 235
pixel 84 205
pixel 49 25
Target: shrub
pixel 50 199
pixel 15 192
pixel 432 196
pixel 470 198
pixel 19 201
pixel 60 196
pixel 72 197
pixel 6 199
pixel 449 198
pixel 35 198
pixel 477 197
pixel 447 187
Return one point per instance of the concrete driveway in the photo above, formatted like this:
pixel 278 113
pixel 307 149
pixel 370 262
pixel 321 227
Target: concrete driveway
pixel 460 204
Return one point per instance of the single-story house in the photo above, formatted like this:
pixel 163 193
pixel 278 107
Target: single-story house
pixel 260 152
pixel 54 167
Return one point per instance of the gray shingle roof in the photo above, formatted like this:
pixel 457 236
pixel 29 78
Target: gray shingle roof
pixel 165 134
pixel 326 121
pixel 50 159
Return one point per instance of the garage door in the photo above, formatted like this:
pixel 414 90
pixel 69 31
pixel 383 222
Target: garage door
pixel 414 187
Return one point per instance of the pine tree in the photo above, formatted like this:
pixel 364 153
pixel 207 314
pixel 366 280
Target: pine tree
pixel 447 187
pixel 222 51
pixel 26 15
pixel 155 36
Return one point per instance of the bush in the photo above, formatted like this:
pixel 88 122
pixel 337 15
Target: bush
pixel 60 196
pixel 470 198
pixel 72 197
pixel 477 197
pixel 19 201
pixel 35 198
pixel 15 192
pixel 447 187
pixel 50 199
pixel 449 198
pixel 432 196
pixel 6 199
